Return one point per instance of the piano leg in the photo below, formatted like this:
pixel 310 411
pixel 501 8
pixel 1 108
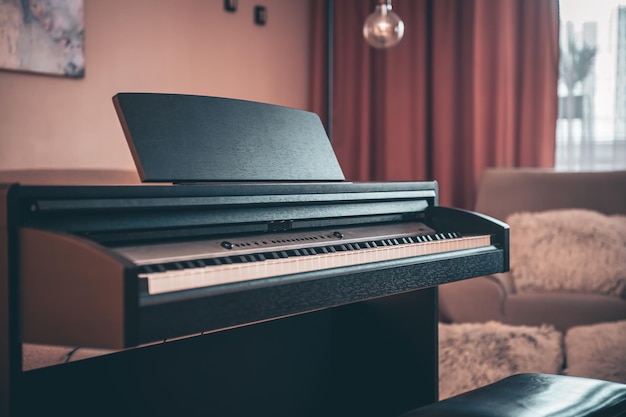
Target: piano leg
pixel 385 354
pixel 373 358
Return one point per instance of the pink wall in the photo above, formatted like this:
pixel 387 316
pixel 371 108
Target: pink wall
pixel 171 46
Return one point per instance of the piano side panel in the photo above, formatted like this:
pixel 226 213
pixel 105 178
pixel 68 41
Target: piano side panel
pixel 386 354
pixel 73 292
pixel 10 343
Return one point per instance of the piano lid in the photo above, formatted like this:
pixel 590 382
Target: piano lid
pixel 187 138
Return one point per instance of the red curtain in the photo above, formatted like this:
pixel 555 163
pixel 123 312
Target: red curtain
pixel 471 85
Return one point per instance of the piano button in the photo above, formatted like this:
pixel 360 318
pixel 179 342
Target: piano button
pixel 226 244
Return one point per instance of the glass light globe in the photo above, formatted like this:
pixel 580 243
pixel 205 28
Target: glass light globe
pixel 383 28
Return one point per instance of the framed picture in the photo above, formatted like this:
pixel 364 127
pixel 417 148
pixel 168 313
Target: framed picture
pixel 42 36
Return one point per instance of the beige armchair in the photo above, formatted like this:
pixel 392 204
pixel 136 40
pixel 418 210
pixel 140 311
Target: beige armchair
pixel 502 192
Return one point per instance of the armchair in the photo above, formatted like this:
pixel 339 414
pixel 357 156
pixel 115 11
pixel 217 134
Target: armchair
pixel 504 191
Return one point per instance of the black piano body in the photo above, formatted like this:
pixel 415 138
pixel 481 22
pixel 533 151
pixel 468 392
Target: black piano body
pixel 76 287
pixel 334 314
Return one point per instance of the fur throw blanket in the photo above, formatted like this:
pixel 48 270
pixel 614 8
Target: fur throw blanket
pixel 597 351
pixel 472 355
pixel 569 250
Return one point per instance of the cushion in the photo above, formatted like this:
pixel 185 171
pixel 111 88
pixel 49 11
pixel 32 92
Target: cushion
pixel 597 351
pixel 472 355
pixel 569 249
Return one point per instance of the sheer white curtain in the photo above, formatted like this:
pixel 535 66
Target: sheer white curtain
pixel 591 129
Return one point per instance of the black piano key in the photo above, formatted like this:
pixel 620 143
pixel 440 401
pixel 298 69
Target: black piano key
pixel 173 266
pixel 147 269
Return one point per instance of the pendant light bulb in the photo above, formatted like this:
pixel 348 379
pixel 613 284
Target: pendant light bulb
pixel 383 28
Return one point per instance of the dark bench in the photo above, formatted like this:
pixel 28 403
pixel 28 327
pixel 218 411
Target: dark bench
pixel 534 395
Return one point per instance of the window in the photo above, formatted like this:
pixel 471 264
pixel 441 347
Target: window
pixel 591 128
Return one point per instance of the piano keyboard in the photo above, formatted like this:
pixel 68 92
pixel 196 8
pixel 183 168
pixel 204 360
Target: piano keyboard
pixel 217 262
